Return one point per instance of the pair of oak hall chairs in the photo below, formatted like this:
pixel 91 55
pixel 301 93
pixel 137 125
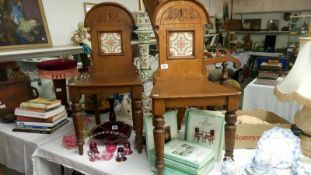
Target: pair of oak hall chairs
pixel 180 81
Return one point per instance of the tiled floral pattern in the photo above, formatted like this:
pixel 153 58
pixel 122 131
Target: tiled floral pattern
pixel 181 44
pixel 111 43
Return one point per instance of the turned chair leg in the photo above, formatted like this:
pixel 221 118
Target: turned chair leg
pixel 230 129
pixel 78 125
pixel 180 116
pixel 96 109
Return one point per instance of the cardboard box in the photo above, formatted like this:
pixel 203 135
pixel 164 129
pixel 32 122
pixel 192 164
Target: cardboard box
pixel 247 135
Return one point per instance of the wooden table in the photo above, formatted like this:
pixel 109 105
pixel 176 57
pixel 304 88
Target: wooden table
pixel 257 96
pixel 107 85
pixel 176 94
pixel 16 148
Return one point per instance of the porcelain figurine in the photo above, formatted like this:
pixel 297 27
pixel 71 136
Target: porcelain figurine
pixel 127 148
pixel 120 155
pixel 230 168
pixel 93 152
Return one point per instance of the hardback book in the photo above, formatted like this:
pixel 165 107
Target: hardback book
pixel 187 169
pixel 268 82
pixel 38 109
pixel 44 115
pixel 39 124
pixel 170 126
pixel 49 130
pixel 268 75
pixel 169 170
pixel 206 128
pixel 41 120
pixel 43 103
pixel 271 66
pixel 190 154
pixel 183 167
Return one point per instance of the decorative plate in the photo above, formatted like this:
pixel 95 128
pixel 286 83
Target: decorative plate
pixel 280 147
pixel 250 171
pixel 113 132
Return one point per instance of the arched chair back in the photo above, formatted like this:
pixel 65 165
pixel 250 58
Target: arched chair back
pixel 110 28
pixel 179 26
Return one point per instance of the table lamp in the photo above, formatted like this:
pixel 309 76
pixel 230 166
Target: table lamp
pixel 297 87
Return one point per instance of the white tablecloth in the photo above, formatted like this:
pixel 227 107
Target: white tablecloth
pixel 46 158
pixel 136 164
pixel 16 148
pixel 262 97
pixel 242 57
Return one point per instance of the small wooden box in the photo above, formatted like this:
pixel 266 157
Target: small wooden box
pixel 12 93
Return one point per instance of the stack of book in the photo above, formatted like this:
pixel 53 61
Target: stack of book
pixel 40 115
pixel 272 65
pixel 267 78
pixel 186 158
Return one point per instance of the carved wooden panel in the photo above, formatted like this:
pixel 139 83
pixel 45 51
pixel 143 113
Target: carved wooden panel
pixel 109 17
pixel 181 44
pixel 179 28
pixel 111 26
pixel 108 14
pixel 180 14
pixel 110 43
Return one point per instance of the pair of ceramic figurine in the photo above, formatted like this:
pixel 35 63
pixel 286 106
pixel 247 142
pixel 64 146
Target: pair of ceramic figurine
pixel 108 153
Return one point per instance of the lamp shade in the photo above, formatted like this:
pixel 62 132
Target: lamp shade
pixel 297 84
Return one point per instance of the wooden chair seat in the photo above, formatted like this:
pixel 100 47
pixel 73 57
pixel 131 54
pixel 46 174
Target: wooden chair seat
pixel 107 81
pixel 190 89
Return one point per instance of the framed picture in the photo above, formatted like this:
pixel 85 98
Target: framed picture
pixel 23 25
pixel 251 24
pixel 205 128
pixel 273 25
pixel 211 27
pixel 88 6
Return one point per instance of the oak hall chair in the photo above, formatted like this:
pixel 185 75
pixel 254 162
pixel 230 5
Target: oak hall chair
pixel 112 70
pixel 181 80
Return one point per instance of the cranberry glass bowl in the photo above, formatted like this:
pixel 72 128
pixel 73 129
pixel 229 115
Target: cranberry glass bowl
pixel 113 132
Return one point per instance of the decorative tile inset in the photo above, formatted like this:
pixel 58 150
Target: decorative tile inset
pixel 111 43
pixel 181 44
